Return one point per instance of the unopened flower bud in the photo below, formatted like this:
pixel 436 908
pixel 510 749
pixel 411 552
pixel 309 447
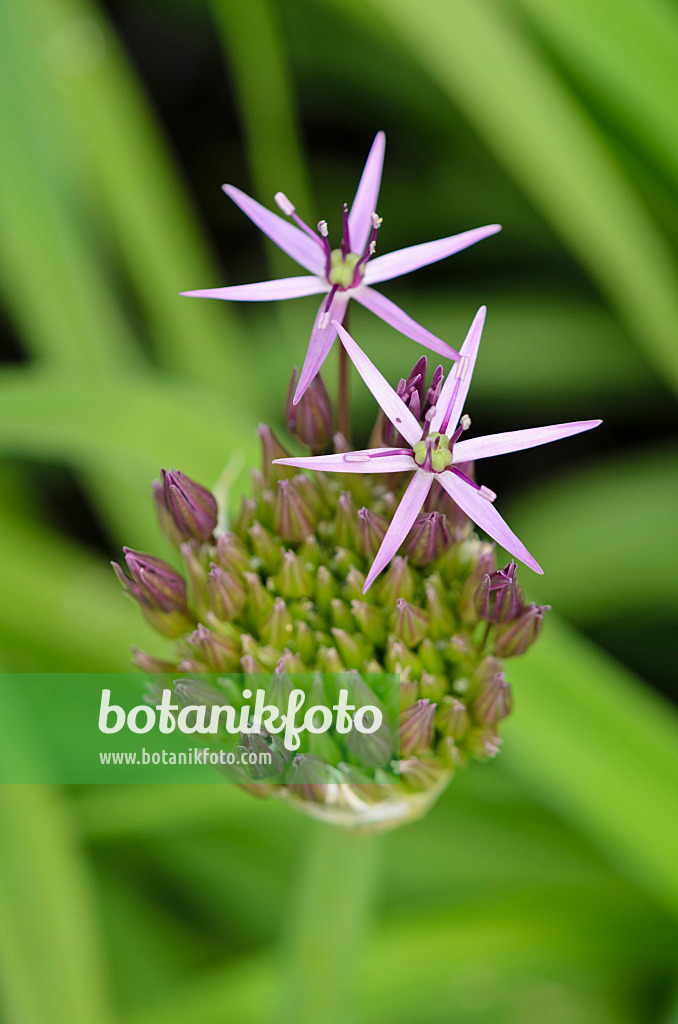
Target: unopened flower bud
pixel 428 539
pixel 293 518
pixel 371 532
pixel 416 728
pixel 216 652
pixel 495 702
pixel 226 593
pixel 409 623
pixel 311 419
pixel 185 508
pixel 398 582
pixel 452 717
pixel 272 449
pixel 374 748
pixel 517 636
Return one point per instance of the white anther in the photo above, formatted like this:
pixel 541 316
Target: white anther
pixel 373 248
pixel 462 367
pixel 351 457
pixel 430 413
pixel 486 493
pixel 284 203
pixel 376 220
pixel 465 421
pixel 322 228
pixel 324 321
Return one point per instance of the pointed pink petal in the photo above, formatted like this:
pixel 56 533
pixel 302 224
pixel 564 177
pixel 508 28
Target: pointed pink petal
pixel 281 288
pixel 290 238
pixel 517 440
pixel 394 264
pixel 354 462
pixel 391 403
pixel 396 317
pixel 401 524
pixel 468 351
pixel 365 201
pixel 321 341
pixel 483 512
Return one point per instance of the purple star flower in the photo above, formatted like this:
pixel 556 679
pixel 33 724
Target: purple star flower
pixel 345 273
pixel 437 452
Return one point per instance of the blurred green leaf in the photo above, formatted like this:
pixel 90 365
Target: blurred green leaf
pixel 142 422
pixel 252 42
pixel 57 293
pixel 523 110
pixel 134 187
pixel 625 51
pixel 51 957
pixel 603 534
pixel 596 745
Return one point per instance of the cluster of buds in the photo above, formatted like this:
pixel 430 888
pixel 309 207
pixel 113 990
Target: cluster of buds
pixel 281 593
pixel 366 570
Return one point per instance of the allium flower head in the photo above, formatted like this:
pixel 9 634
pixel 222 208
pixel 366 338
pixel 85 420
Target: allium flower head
pixel 345 272
pixel 435 450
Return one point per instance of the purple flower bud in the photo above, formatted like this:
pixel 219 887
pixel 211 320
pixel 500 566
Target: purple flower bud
pixel 232 554
pixel 452 718
pixel 185 509
pixel 428 539
pixel 311 419
pixel 495 702
pixel 371 532
pixel 226 594
pixel 409 624
pixel 218 653
pixel 271 449
pixel 154 584
pixel 293 518
pixel 485 566
pixel 518 635
pixel 416 728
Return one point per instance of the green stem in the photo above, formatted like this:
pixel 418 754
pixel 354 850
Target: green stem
pixel 329 920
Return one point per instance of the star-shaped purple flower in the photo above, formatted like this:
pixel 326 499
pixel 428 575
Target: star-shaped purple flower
pixel 345 273
pixel 436 453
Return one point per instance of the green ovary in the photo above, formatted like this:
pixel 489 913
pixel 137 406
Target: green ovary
pixel 439 446
pixel 342 270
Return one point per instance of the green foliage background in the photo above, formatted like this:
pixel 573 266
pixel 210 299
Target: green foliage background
pixel 543 886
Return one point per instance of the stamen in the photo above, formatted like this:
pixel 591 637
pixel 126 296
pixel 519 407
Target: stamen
pixel 323 229
pixel 325 319
pixel 289 210
pixel 352 457
pixel 448 415
pixel 465 421
pixel 376 221
pixel 284 203
pixel 346 240
pixel 486 493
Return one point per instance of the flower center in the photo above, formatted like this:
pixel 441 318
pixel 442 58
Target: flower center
pixel 433 453
pixel 342 269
